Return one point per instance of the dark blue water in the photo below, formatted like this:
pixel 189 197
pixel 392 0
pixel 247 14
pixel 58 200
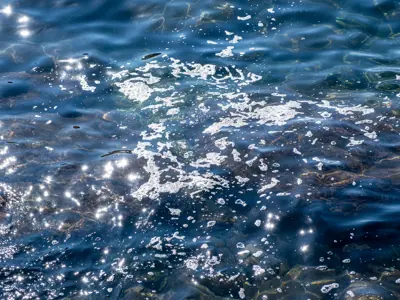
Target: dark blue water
pixel 200 149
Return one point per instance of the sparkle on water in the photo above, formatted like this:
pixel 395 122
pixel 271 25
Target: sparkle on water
pixel 205 150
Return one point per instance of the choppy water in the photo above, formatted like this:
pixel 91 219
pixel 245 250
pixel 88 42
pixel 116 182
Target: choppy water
pixel 199 149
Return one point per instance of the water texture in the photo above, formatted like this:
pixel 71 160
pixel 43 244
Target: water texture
pixel 200 149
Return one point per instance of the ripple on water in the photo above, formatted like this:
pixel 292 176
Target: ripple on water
pixel 199 149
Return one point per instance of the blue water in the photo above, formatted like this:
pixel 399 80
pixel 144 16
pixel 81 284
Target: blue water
pixel 199 149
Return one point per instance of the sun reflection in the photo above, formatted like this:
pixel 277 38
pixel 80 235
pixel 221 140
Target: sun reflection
pixel 108 170
pixel 4 150
pixel 100 212
pixel 304 232
pixel 133 177
pixel 24 33
pixel 122 163
pixel 117 221
pixel 269 224
pixel 69 195
pixel 23 19
pixel 48 179
pixel 85 279
pixel 8 164
pixel 304 248
pixel 7 10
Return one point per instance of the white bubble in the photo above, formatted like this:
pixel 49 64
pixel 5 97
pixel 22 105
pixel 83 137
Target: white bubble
pixel 327 288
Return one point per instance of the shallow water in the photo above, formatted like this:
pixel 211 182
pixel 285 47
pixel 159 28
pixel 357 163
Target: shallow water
pixel 199 149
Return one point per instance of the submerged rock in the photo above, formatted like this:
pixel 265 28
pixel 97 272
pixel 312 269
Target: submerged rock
pixel 367 291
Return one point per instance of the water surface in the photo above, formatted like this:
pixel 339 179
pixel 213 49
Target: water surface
pixel 199 149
